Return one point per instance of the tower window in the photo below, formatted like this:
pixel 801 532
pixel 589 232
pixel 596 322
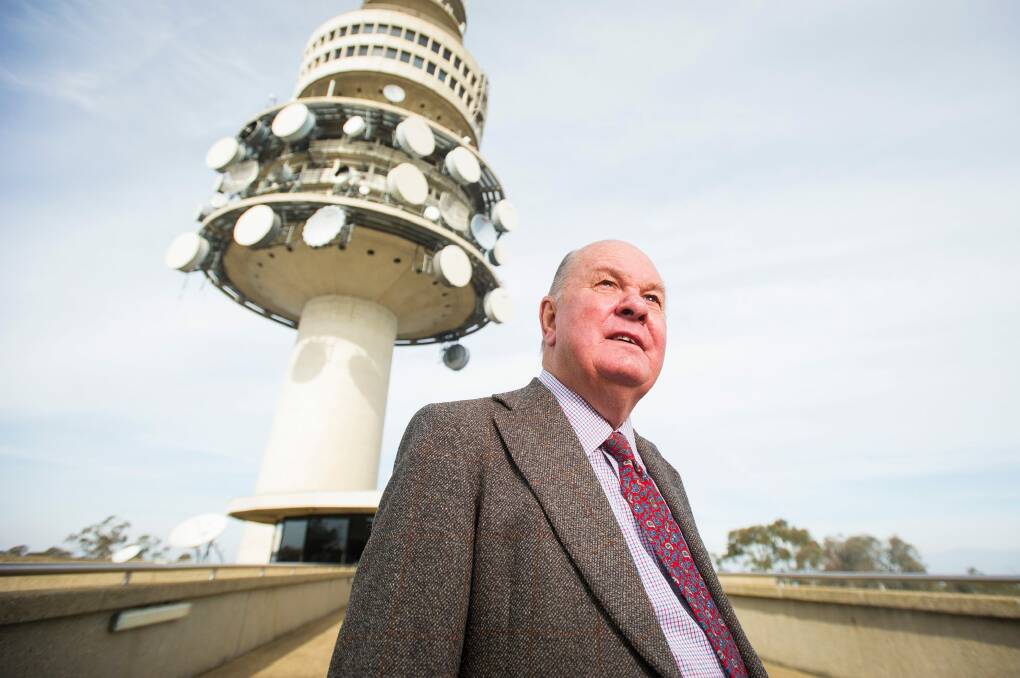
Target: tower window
pixel 343 31
pixel 442 75
pixel 423 40
pixel 369 28
pixel 410 35
pixel 456 64
pixel 350 51
pixel 405 57
pixel 355 29
pixel 431 68
pixel 396 31
pixel 418 62
pixel 377 50
pixel 362 50
pixel 447 54
pixel 382 28
pixel 391 53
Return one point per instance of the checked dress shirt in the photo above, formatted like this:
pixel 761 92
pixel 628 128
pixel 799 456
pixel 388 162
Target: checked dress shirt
pixel 691 649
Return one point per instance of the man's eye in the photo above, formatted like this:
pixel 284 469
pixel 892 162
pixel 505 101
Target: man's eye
pixel 605 283
pixel 653 298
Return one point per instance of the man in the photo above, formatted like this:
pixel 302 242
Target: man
pixel 534 533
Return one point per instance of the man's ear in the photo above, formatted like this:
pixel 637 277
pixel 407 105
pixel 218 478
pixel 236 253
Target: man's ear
pixel 547 320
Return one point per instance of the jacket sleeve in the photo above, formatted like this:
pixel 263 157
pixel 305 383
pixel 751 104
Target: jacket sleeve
pixel 409 602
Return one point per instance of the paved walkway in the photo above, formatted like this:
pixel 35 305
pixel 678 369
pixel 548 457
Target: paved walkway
pixel 305 653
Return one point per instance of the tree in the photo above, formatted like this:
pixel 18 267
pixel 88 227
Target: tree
pixel 17 551
pixel 865 553
pixel 100 541
pixel 771 548
pixel 152 547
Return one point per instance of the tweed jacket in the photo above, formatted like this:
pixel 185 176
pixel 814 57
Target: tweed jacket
pixel 495 553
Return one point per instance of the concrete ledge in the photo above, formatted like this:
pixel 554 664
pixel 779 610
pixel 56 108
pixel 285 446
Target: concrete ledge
pixel 18 607
pixel 1006 607
pixel 67 632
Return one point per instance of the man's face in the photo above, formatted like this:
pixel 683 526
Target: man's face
pixel 609 323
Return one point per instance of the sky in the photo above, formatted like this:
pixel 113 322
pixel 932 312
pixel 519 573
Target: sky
pixel 831 192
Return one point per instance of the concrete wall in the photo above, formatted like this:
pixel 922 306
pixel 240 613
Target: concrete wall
pixel 848 633
pixel 65 632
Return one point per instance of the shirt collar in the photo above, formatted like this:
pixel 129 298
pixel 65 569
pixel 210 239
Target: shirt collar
pixel 589 426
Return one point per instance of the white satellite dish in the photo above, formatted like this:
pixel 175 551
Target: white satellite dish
pixel 499 254
pixel 463 166
pixel 294 123
pixel 187 252
pixel 355 126
pixel 452 266
pixel 408 184
pixel 323 226
pixel 456 212
pixel 483 231
pixel 225 153
pixel 127 553
pixel 415 136
pixel 456 357
pixel 498 306
pixel 395 94
pixel 432 213
pixel 257 227
pixel 504 216
pixel 198 531
pixel 240 176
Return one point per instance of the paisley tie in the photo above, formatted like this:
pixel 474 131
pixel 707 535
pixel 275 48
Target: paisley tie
pixel 653 516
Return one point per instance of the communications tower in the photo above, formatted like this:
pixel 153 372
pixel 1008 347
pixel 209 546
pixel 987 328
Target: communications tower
pixel 362 214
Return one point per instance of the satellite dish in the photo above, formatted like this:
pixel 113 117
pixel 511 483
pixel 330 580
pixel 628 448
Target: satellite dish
pixel 323 226
pixel 456 357
pixel 364 189
pixel 499 255
pixel 432 213
pixel 198 531
pixel 240 176
pixel 257 227
pixel 415 137
pixel 498 306
pixel 407 183
pixel 452 266
pixel 127 553
pixel 394 93
pixel 255 133
pixel 294 123
pixel 463 166
pixel 483 231
pixel 355 126
pixel 504 216
pixel 187 252
pixel 225 153
pixel 456 212
pixel 215 202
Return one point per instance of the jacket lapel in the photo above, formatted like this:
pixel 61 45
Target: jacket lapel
pixel 545 449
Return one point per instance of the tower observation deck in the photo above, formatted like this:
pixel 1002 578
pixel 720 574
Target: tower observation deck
pixel 362 214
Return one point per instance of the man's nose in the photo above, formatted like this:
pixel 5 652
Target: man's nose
pixel 633 307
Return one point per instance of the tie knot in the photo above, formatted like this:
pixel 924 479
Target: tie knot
pixel 617 446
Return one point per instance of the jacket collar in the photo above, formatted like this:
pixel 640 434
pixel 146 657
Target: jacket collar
pixel 542 445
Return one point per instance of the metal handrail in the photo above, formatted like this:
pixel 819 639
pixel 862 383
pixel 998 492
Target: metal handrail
pixel 127 569
pixel 883 577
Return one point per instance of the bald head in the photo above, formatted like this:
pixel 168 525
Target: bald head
pixel 603 325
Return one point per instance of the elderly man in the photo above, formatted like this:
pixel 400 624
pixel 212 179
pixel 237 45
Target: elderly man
pixel 534 533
